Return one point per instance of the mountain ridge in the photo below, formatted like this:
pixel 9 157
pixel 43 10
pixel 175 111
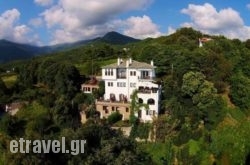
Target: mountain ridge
pixel 11 51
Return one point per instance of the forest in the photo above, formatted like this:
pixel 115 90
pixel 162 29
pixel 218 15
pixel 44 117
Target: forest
pixel 205 103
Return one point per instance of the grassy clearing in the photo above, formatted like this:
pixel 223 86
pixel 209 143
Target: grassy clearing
pixel 106 62
pixel 9 79
pixel 85 68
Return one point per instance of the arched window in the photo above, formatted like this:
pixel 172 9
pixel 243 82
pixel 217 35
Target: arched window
pixel 121 97
pixel 151 101
pixel 140 100
pixel 112 97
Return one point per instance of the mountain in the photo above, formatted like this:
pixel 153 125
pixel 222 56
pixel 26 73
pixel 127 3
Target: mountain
pixel 15 51
pixel 110 37
pixel 117 38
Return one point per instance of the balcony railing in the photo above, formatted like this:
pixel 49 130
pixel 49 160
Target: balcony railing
pixel 145 77
pixel 147 90
pixel 121 77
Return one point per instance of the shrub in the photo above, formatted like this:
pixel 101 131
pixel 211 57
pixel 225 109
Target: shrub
pixel 114 117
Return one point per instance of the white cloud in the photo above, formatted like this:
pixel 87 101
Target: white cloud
pixel 36 22
pixel 141 27
pixel 11 30
pixel 44 2
pixel 77 19
pixel 64 36
pixel 224 22
pixel 248 6
pixel 171 30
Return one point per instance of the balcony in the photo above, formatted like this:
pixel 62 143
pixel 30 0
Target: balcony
pixel 145 77
pixel 121 77
pixel 147 90
pixel 121 73
pixel 112 103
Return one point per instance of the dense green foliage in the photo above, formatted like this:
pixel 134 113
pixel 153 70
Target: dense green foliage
pixel 104 145
pixel 204 104
pixel 114 117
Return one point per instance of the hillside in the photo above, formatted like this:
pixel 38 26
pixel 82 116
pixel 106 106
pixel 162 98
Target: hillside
pixel 205 103
pixel 14 51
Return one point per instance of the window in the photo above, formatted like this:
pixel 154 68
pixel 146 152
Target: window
pixel 132 73
pixel 113 108
pixel 110 84
pixel 121 73
pixel 108 72
pixel 154 90
pixel 132 85
pixel 121 97
pixel 152 112
pixel 105 108
pixel 127 109
pixel 144 74
pixel 140 100
pixel 151 101
pixel 121 84
pixel 139 114
pixel 112 97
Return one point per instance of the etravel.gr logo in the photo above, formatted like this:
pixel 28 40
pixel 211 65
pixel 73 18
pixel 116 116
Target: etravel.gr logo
pixel 47 146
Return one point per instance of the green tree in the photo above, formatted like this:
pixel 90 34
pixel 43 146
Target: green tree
pixel 3 92
pixel 136 106
pixel 100 91
pixel 65 113
pixel 231 142
pixel 240 91
pixel 204 97
pixel 166 128
pixel 27 76
pixel 11 126
pixel 200 90
pixel 114 117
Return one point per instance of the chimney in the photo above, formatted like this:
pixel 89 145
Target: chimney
pixel 127 63
pixel 118 61
pixel 130 60
pixel 152 62
pixel 200 43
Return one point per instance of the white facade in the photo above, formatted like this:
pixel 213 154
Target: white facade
pixel 124 77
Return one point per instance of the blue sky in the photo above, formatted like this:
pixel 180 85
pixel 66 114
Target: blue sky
pixel 48 22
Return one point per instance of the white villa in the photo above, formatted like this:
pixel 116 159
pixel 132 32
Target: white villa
pixel 121 80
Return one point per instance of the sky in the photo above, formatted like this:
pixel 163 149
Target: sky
pixel 49 22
